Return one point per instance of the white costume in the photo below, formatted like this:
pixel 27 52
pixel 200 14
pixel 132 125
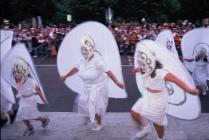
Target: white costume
pixel 153 106
pixel 27 106
pixel 86 40
pixel 95 97
pixel 179 101
pixel 195 45
pixel 19 72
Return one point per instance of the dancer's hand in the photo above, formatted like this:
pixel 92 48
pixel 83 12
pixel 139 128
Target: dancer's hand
pixel 18 95
pixel 45 102
pixel 134 71
pixel 121 85
pixel 63 78
pixel 194 91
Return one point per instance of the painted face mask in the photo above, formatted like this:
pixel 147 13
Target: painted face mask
pixel 87 47
pixel 146 61
pixel 169 44
pixel 20 70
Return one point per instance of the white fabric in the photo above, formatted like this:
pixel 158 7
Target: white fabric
pixel 6 105
pixel 27 105
pixel 191 41
pixel 5 46
pixel 70 52
pixel 95 97
pixel 20 51
pixel 166 39
pixel 200 72
pixel 180 102
pixel 153 106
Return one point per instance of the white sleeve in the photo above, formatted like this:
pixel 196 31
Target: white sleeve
pixel 162 73
pixel 33 84
pixel 78 64
pixel 102 65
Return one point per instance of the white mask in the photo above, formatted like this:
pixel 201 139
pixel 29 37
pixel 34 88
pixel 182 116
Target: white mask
pixel 87 46
pixel 146 60
pixel 20 70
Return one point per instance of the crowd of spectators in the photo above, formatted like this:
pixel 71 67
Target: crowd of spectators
pixel 128 34
pixel 42 40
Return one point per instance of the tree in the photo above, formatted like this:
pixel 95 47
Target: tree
pixel 23 9
pixel 63 8
pixel 194 9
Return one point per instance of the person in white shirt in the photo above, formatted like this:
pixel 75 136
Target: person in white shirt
pixel 93 71
pixel 153 105
pixel 27 89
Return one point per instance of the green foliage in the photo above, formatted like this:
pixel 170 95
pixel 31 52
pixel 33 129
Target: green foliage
pixel 22 9
pixel 63 8
pixel 56 11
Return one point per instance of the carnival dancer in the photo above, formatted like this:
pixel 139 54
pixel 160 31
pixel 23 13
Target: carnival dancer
pixel 19 72
pixel 200 69
pixel 153 105
pixel 27 88
pixel 94 73
pixel 195 50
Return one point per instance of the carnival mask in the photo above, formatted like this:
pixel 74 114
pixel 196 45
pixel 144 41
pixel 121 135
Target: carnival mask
pixel 87 46
pixel 20 70
pixel 146 61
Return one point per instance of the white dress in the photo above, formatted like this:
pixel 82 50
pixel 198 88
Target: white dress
pixel 153 106
pixel 27 105
pixel 94 100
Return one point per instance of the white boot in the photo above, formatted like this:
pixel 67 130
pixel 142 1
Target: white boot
pixel 97 127
pixel 144 131
pixel 159 138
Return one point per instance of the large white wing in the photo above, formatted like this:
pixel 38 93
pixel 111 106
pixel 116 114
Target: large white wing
pixel 181 104
pixel 6 37
pixel 191 41
pixel 166 39
pixel 20 51
pixel 69 55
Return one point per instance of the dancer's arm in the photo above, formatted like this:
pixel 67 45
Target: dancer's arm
pixel 70 73
pixel 115 80
pixel 172 78
pixel 38 91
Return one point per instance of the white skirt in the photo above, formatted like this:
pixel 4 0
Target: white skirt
pixel 153 107
pixel 93 101
pixel 27 109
